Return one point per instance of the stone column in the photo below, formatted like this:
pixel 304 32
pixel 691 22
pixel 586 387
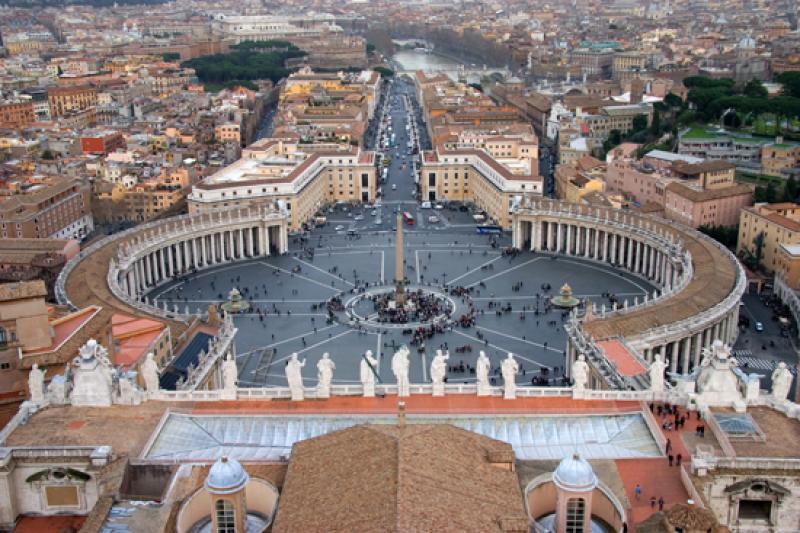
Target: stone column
pixel 613 251
pixel 148 270
pixel 675 354
pixel 180 257
pixel 558 238
pixel 605 246
pixel 651 264
pixel 698 348
pixel 596 244
pixel 568 227
pixel 241 243
pixel 213 239
pixel 250 244
pixel 630 254
pixel 637 256
pixel 687 354
pixel 549 236
pixel 203 253
pixel 267 241
pixel 169 261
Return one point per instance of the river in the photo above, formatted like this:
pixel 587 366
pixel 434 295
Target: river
pixel 430 62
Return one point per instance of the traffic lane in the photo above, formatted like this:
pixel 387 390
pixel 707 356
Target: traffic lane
pixel 768 344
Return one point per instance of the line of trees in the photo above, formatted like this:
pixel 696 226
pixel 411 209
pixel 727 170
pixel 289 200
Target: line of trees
pixel 246 63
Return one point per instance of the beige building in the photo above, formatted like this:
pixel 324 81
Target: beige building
pixel 66 99
pixel 780 224
pixel 52 207
pixel 228 132
pixel 301 177
pixel 492 172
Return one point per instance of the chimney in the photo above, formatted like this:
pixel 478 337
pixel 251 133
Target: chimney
pixel 401 414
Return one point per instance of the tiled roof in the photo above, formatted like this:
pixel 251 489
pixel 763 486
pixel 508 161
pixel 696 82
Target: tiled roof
pixel 399 478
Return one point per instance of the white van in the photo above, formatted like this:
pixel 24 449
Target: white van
pixel 425 205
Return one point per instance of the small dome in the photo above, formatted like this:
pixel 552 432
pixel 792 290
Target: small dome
pixel 575 474
pixel 747 43
pixel 226 476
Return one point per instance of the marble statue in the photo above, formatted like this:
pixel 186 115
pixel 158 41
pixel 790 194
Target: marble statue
pixel 294 377
pixel 657 373
pixel 509 368
pixel 439 371
pixel 482 373
pixel 580 373
pixel 367 373
pixel 229 375
pixel 400 365
pixel 92 383
pixel 150 374
pixel 325 368
pixel 781 382
pixel 36 384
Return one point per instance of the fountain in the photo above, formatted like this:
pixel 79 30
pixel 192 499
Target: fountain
pixel 235 303
pixel 565 298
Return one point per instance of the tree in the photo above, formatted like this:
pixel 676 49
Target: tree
pixel 384 72
pixel 725 235
pixel 655 126
pixel 791 190
pixel 370 48
pixel 673 100
pixel 170 56
pixel 476 86
pixel 754 89
pixel 639 123
pixel 758 242
pixel 771 194
pixel 791 83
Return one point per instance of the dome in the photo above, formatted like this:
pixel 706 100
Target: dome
pixel 575 474
pixel 226 476
pixel 747 43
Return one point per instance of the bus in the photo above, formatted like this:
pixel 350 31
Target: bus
pixel 489 230
pixel 408 218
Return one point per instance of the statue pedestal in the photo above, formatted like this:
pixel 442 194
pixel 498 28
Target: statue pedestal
pixel 510 393
pixel 369 390
pixel 323 392
pixel 438 389
pixel 579 394
pixel 228 394
pixel 484 390
pixel 403 390
pixel 297 394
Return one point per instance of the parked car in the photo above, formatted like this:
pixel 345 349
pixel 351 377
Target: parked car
pixel 759 327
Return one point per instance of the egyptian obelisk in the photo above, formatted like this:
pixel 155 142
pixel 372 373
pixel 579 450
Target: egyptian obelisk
pixel 399 271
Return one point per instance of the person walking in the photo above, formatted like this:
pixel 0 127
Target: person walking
pixel 671 458
pixel 637 491
pixel 661 503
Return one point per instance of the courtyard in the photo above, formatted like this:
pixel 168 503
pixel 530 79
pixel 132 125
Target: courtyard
pixel 288 297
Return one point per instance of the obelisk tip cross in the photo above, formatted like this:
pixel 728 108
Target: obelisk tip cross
pixel 399 271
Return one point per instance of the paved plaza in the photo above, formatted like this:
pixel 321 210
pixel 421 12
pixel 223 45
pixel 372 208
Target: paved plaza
pixel 290 292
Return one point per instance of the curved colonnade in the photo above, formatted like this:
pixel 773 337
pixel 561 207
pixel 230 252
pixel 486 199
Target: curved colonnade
pixel 700 281
pixel 153 254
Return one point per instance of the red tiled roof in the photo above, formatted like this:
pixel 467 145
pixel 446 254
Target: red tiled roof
pixel 65 326
pixel 623 359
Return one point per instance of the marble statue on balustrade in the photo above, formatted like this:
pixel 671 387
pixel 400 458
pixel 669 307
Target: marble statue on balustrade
pixel 482 374
pixel 367 373
pixel 294 377
pixel 36 384
pixel 781 382
pixel 229 376
pixel 439 372
pixel 92 381
pixel 509 368
pixel 128 393
pixel 717 380
pixel 580 373
pixel 58 390
pixel 656 372
pixel 150 374
pixel 400 366
pixel 325 368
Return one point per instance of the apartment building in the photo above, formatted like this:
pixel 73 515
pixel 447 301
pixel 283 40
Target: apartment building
pixel 64 100
pixel 101 141
pixel 51 206
pixel 301 177
pixel 780 225
pixel 780 159
pixel 473 174
pixel 16 114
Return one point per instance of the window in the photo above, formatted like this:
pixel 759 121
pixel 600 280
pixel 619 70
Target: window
pixel 575 512
pixel 226 519
pixel 755 509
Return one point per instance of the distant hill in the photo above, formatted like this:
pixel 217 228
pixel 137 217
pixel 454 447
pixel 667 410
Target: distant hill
pixel 96 3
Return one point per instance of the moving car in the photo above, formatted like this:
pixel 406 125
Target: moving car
pixel 394 186
pixel 759 327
